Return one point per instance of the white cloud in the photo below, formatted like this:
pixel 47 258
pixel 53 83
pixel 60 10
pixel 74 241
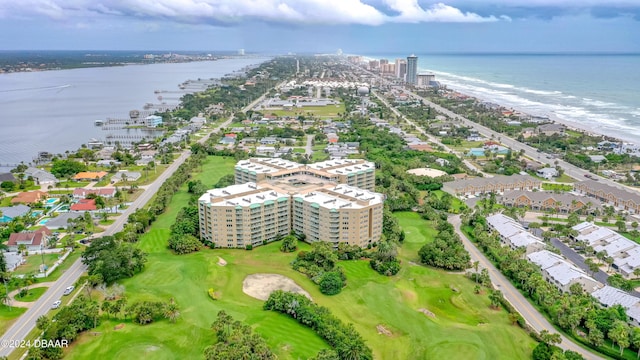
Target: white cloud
pixel 411 11
pixel 236 11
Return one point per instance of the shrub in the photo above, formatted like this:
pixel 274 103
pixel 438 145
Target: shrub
pixel 212 294
pixel 184 243
pixel 331 283
pixel 249 247
pixel 289 244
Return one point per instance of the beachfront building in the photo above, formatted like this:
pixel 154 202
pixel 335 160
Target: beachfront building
pixel 559 272
pixel 612 195
pixel 496 184
pixel 252 214
pixel 625 253
pixel 513 234
pixel 564 203
pixel 412 70
pixel 153 121
pixel 354 172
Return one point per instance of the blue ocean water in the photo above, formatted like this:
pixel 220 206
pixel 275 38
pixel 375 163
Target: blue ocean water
pixel 599 92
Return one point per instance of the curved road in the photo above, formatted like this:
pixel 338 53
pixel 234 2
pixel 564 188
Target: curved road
pixel 23 326
pixel 515 298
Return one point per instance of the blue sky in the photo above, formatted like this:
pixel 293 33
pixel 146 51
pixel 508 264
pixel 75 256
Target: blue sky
pixel 356 26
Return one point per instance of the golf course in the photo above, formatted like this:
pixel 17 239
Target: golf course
pixel 421 313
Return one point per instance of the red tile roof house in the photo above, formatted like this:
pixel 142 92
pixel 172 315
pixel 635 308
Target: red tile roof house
pixel 84 205
pixel 81 193
pixel 32 239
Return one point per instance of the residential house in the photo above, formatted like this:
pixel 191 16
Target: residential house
pixel 7 177
pixel 442 162
pixel 559 272
pixel 62 220
pixel 125 175
pixel 13 260
pixel 81 193
pixel 84 205
pixel 90 175
pixel 612 195
pixel 498 183
pixel 268 141
pixel 108 163
pixel 29 197
pixel 551 129
pixel 547 172
pixel 32 240
pixel 11 212
pixel 153 121
pixel 41 177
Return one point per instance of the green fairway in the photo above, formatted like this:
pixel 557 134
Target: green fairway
pixel 464 326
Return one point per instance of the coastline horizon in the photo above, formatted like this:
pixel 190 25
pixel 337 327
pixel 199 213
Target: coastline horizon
pixel 544 102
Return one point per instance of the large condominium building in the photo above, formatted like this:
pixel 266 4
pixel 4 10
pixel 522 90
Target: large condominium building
pixel 251 214
pixel 354 172
pixel 412 70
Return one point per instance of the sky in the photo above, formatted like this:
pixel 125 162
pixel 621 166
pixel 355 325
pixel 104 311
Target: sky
pixel 355 26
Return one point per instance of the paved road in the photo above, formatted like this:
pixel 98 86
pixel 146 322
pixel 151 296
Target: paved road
pixel 309 148
pixel 519 302
pixel 578 260
pixel 23 326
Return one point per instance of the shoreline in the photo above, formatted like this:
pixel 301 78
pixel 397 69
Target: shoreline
pixel 554 118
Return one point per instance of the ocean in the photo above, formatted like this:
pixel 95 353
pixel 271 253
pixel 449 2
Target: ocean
pixel 597 92
pixel 55 111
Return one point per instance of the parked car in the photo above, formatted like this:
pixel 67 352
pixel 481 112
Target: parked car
pixel 56 305
pixel 69 290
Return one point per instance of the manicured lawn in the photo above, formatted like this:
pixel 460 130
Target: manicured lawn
pixel 464 326
pixel 6 201
pixel 34 261
pixel 8 315
pixel 565 178
pixel 33 294
pixel 55 274
pixel 556 187
pixel 72 184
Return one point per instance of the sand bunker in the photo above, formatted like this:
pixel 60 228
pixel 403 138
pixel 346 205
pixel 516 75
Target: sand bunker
pixel 427 312
pixel 260 286
pixel 221 261
pixel 427 172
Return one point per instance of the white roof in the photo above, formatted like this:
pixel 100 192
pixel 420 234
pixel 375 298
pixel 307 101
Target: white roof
pixel 608 296
pixel 524 239
pixel 343 166
pixel 545 258
pixel 342 196
pixel 228 191
pixel 564 273
pixel 505 225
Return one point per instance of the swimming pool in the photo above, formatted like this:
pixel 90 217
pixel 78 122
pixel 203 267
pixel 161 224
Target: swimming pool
pixel 36 213
pixel 51 201
pixel 43 221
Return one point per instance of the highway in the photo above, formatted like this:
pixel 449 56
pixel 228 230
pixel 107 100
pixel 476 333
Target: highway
pixel 23 326
pixel 515 298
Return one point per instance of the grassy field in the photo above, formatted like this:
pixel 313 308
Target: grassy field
pixel 33 294
pixel 8 315
pixel 556 187
pixel 464 326
pixel 317 111
pixel 32 265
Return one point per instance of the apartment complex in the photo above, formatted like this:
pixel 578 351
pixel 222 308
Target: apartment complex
pixel 617 197
pixel 498 183
pixel 513 234
pixel 254 213
pixel 625 253
pixel 546 200
pixel 556 270
pixel 354 172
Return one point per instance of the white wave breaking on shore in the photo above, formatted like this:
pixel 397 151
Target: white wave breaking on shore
pixel 595 116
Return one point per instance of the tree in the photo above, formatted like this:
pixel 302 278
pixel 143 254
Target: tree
pixel 550 338
pixel 289 244
pixel 65 168
pixel 184 244
pixel 331 283
pixel 619 334
pixel 635 339
pixel 172 312
pixel 113 259
pixel 43 322
pixel 496 298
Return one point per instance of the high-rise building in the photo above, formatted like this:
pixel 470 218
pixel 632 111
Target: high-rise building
pixel 412 70
pixel 424 80
pixel 241 52
pixel 402 73
pixel 314 201
pixel 400 63
pixel 383 61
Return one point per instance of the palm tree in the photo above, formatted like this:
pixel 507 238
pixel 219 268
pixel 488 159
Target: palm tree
pixel 172 312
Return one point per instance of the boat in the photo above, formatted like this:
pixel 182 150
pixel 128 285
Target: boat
pixel 98 122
